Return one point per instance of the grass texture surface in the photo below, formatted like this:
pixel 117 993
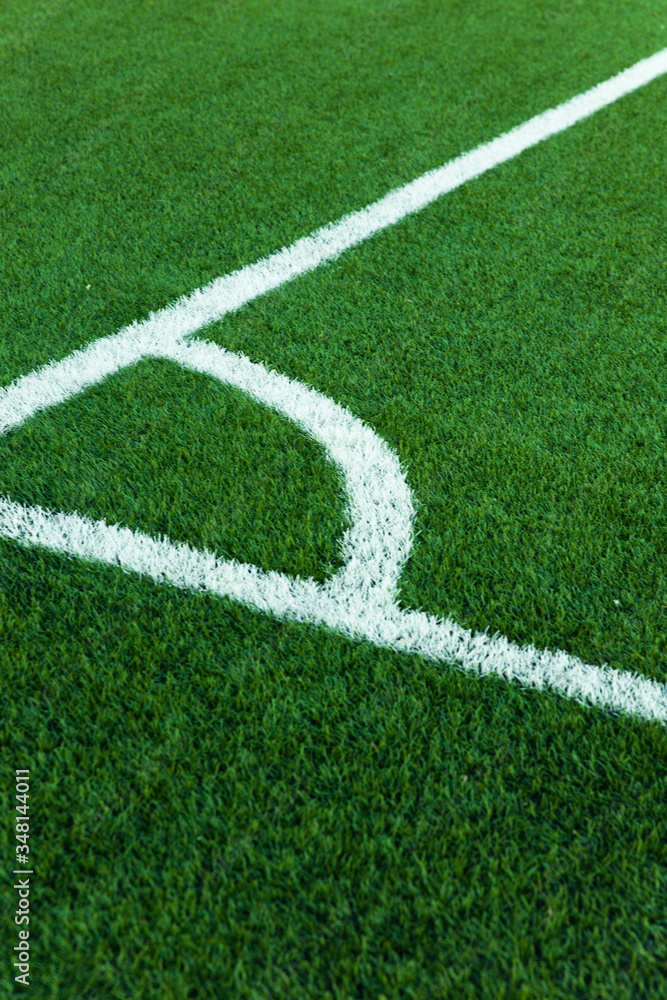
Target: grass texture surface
pixel 224 805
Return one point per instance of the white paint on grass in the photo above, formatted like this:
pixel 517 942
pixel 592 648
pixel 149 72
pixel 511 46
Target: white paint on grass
pixel 361 600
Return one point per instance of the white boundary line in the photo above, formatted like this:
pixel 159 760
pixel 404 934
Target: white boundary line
pixel 360 600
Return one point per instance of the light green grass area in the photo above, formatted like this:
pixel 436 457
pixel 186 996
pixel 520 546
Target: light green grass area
pixel 228 806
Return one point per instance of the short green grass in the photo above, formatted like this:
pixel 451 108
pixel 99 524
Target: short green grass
pixel 228 806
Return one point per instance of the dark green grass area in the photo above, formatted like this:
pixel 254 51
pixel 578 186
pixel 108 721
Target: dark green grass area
pixel 227 806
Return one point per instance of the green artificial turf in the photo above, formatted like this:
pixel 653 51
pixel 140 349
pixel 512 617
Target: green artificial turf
pixel 228 806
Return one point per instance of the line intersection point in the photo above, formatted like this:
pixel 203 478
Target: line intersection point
pixel 360 600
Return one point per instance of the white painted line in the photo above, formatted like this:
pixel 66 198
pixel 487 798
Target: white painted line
pixel 52 383
pixel 234 290
pixel 361 600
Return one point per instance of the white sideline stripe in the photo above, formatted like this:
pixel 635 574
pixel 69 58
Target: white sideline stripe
pixel 360 600
pixel 306 601
pixel 232 291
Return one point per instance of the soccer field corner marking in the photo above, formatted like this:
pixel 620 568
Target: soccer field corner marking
pixel 359 600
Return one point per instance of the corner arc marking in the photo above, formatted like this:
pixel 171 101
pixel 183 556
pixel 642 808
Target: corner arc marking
pixel 359 600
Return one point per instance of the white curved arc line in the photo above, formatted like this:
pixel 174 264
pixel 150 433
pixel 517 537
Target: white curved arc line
pixel 359 600
pixel 379 498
